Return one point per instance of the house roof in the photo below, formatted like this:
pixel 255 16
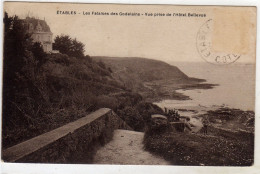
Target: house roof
pixel 45 27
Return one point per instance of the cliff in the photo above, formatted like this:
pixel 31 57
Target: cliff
pixel 153 79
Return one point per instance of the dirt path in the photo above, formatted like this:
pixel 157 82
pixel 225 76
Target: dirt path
pixel 126 148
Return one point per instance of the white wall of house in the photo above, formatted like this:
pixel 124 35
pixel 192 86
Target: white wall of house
pixel 45 38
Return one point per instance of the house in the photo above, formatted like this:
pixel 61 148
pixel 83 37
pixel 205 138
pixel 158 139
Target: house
pixel 40 32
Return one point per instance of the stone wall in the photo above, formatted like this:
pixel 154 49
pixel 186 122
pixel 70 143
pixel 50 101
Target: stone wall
pixel 75 142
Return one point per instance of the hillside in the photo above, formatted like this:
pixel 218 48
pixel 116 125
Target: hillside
pixel 217 148
pixel 143 69
pixel 43 91
pixel 229 141
pixel 153 79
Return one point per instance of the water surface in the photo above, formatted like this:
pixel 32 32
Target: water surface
pixel 236 87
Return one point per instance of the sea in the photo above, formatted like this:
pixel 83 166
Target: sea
pixel 236 86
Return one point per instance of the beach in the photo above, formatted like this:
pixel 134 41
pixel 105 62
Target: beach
pixel 235 90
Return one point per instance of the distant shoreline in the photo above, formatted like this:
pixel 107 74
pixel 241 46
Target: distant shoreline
pixel 180 96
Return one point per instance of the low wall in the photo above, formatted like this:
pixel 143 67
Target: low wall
pixel 72 143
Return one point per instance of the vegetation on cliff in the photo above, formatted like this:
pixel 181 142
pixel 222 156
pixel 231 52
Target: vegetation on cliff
pixel 229 141
pixel 153 79
pixel 44 91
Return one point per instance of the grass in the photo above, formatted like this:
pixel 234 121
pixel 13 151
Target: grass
pixel 214 149
pixel 229 141
pixel 63 90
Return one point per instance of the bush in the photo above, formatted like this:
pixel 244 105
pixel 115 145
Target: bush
pixel 104 101
pixel 39 54
pixel 148 109
pixel 59 58
pixel 132 117
pixel 219 149
pixel 66 45
pixel 44 91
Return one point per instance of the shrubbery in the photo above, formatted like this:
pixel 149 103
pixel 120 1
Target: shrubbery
pixel 66 45
pixel 218 149
pixel 44 91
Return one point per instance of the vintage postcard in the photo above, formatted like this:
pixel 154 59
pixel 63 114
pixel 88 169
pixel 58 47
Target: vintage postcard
pixel 128 84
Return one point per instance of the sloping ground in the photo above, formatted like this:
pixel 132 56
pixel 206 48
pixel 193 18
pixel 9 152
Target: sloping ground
pixel 127 148
pixel 153 79
pixel 218 148
pixel 142 69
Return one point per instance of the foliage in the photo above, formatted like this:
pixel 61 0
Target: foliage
pixel 44 91
pixel 16 44
pixel 132 117
pixel 217 149
pixel 66 45
pixel 38 54
pixel 224 145
pixel 22 93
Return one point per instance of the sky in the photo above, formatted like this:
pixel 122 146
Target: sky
pixel 164 38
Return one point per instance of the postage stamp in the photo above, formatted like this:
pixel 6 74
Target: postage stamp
pixel 204 46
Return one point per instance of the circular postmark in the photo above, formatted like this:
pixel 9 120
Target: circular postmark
pixel 204 47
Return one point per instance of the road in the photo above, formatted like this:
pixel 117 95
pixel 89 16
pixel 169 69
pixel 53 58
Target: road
pixel 127 148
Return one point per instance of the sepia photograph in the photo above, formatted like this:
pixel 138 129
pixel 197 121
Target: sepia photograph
pixel 119 84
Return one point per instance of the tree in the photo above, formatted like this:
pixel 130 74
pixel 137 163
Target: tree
pixel 16 45
pixel 62 43
pixel 20 94
pixel 77 48
pixel 17 42
pixel 39 53
pixel 66 45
